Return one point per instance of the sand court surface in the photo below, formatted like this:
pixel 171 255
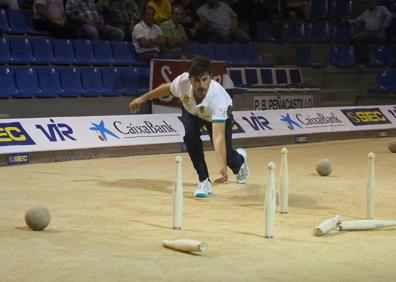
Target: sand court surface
pixel 109 216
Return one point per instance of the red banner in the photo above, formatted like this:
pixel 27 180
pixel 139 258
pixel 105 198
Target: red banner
pixel 164 71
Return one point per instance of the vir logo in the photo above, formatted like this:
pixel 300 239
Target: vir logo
pixel 291 124
pixel 102 130
pixel 57 130
pixel 257 122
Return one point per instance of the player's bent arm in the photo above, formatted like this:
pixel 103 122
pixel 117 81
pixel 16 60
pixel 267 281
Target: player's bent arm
pixel 161 91
pixel 219 144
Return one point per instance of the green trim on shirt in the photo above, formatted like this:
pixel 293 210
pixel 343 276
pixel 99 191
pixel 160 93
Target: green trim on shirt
pixel 219 121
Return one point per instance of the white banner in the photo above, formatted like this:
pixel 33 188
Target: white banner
pixel 52 134
pixel 48 134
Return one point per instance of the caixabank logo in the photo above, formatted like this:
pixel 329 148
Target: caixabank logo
pixel 365 116
pixel 13 134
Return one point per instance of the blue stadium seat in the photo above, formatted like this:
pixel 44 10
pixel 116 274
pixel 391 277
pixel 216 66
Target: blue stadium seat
pixel 236 75
pixel 207 50
pixel 7 83
pixel 191 50
pixel 43 50
pixel 144 79
pixel 341 9
pixel 222 52
pixel 342 33
pixel 281 77
pixel 267 76
pixel 20 21
pixel 264 32
pixel 112 82
pixel 103 52
pixel 385 82
pixel 133 81
pixel 295 76
pixel 382 56
pixel 5 53
pixel 64 51
pixel 84 52
pixel 27 82
pixel 123 53
pixel 318 32
pixel 252 55
pixel 237 56
pixel 49 81
pixel 293 32
pixel 251 76
pixel 21 51
pixel 92 82
pixel 4 21
pixel 342 56
pixel 304 58
pixel 319 9
pixel 71 82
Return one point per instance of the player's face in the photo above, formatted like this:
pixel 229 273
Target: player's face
pixel 200 85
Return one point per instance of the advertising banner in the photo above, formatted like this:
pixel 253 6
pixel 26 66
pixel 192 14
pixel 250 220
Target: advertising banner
pixel 65 133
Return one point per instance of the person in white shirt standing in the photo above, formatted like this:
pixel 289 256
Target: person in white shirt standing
pixel 204 103
pixel 376 20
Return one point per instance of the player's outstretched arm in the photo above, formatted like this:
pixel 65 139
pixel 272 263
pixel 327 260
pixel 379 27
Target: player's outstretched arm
pixel 161 91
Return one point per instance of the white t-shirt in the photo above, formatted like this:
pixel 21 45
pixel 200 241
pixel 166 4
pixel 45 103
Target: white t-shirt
pixel 376 19
pixel 143 30
pixel 213 108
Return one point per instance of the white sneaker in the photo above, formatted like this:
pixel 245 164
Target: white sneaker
pixel 204 189
pixel 243 173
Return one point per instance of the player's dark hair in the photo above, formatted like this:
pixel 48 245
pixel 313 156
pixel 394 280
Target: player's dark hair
pixel 199 66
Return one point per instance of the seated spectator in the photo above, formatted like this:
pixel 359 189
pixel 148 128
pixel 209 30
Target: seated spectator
pixel 190 19
pixel 376 20
pixel 87 22
pixel 12 4
pixel 296 9
pixel 219 23
pixel 162 10
pixel 147 37
pixel 174 33
pixel 49 15
pixel 123 14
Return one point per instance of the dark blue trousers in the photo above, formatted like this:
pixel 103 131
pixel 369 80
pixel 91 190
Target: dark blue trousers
pixel 192 140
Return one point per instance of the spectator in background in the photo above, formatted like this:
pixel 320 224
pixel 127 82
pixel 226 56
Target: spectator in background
pixel 88 23
pixel 190 19
pixel 174 33
pixel 297 9
pixel 162 10
pixel 49 15
pixel 147 37
pixel 376 20
pixel 220 23
pixel 123 14
pixel 12 4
